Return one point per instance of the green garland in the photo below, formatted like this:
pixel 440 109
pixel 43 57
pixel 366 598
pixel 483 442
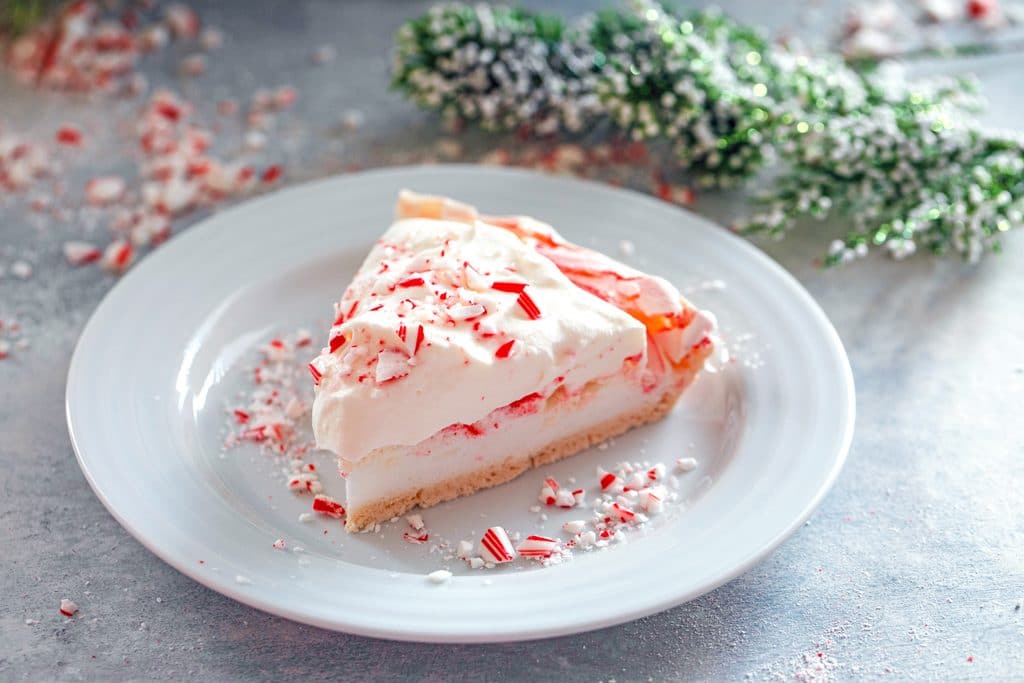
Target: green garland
pixel 906 163
pixel 17 16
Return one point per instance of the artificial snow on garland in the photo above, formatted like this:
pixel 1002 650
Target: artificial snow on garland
pixel 905 162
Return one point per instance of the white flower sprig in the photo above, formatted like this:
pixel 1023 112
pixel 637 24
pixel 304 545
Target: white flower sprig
pixel 501 67
pixel 905 163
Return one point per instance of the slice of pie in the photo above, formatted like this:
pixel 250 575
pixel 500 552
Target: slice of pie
pixel 469 349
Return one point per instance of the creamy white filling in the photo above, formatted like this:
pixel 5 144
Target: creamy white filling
pixel 399 470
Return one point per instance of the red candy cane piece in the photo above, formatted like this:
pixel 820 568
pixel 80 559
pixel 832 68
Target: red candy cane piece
pixel 538 546
pixel 505 350
pixel 326 505
pixel 414 281
pixel 69 135
pixel 609 481
pixel 496 547
pixel 67 607
pixel 337 342
pixel 79 253
pixel 271 174
pixel 419 339
pixel 623 513
pixel 527 304
pixel 514 287
pixel 118 256
pixel 547 495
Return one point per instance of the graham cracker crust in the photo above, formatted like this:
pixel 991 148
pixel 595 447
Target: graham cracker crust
pixel 510 468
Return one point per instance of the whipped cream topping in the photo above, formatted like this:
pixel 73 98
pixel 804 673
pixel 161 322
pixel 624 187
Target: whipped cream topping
pixel 448 319
pixel 675 327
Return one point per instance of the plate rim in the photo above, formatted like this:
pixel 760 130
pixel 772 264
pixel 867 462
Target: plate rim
pixel 222 583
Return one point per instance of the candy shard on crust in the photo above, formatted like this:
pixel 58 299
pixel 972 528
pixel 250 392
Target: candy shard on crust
pixel 470 348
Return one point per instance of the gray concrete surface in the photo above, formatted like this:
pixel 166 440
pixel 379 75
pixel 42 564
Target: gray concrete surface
pixel 913 568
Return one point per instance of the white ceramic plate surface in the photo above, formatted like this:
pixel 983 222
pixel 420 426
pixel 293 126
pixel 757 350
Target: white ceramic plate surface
pixel 165 353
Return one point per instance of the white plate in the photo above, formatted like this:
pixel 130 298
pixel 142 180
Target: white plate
pixel 163 354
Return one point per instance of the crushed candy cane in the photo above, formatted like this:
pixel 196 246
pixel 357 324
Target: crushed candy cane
pixel 496 547
pixel 574 526
pixel 305 483
pixel 118 255
pixel 464 551
pixel 68 608
pixel 538 546
pixel 326 505
pixel 79 253
pixel 273 415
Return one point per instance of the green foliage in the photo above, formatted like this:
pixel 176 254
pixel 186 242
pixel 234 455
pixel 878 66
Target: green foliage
pixel 905 163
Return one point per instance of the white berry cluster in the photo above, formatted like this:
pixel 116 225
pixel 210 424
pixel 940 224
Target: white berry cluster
pixel 916 172
pixel 503 68
pixel 697 81
pixel 906 163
